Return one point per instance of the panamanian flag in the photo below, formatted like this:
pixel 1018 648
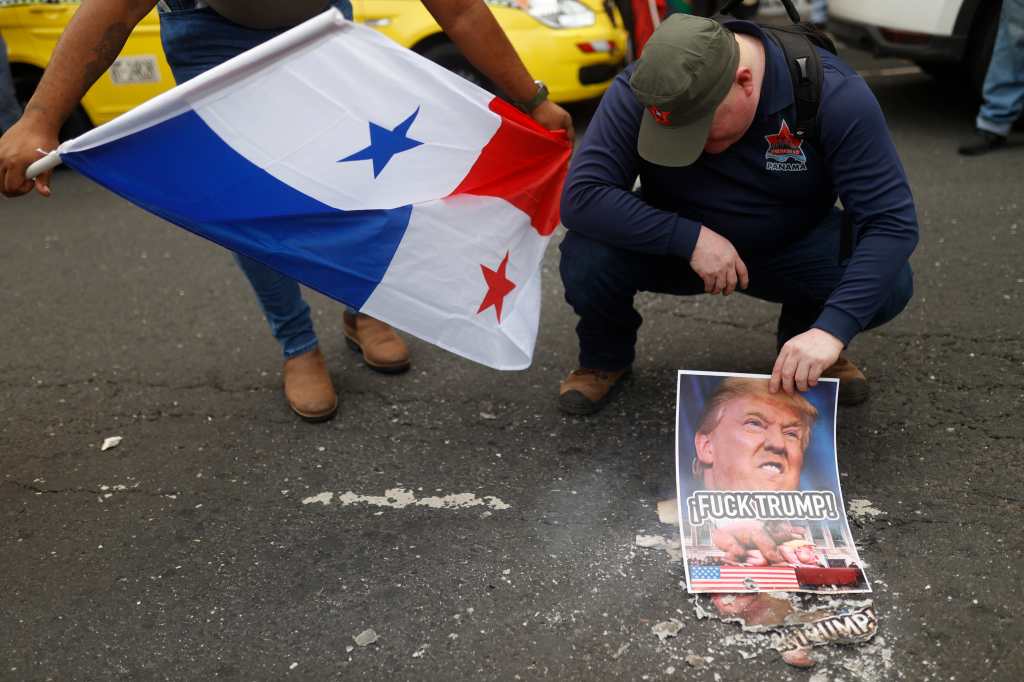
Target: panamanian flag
pixel 360 169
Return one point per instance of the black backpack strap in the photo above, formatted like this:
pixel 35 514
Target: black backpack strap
pixel 798 43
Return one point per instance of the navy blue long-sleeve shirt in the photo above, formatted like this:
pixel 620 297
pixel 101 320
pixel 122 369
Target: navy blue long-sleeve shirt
pixel 758 200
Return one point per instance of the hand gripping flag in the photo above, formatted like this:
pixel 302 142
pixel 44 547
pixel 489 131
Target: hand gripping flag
pixel 360 169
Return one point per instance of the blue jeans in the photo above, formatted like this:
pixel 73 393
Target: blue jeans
pixel 10 110
pixel 601 281
pixel 819 11
pixel 196 40
pixel 1004 81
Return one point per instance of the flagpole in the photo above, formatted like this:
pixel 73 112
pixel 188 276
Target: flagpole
pixel 48 162
pixel 652 6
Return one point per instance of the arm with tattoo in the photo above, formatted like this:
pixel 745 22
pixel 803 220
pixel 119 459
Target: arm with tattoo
pixel 90 44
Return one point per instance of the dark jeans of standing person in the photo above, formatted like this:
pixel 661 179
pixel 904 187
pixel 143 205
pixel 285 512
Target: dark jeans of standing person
pixel 601 282
pixel 1004 84
pixel 10 109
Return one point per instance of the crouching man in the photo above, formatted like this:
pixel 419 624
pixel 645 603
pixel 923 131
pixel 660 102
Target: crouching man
pixel 734 196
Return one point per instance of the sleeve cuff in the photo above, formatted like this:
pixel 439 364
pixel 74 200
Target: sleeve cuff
pixel 684 239
pixel 839 324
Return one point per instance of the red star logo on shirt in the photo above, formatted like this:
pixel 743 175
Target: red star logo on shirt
pixel 784 143
pixel 498 287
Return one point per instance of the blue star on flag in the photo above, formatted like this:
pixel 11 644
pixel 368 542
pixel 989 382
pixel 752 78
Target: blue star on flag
pixel 385 143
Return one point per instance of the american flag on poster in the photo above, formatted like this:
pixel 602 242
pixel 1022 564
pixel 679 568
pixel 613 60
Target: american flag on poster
pixel 743 578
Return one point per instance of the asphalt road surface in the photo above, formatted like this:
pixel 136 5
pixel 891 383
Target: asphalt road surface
pixel 187 551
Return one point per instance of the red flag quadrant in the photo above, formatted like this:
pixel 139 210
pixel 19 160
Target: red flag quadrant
pixel 523 164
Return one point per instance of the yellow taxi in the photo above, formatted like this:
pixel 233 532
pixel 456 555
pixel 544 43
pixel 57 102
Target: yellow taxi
pixel 575 46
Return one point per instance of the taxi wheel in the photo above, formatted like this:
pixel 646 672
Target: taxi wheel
pixel 449 56
pixel 78 122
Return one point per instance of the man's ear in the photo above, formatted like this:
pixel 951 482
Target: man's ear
pixel 745 79
pixel 705 451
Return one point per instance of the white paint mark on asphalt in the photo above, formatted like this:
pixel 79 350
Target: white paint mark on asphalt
pixel 668 512
pixel 111 442
pixel 667 628
pixel 366 637
pixel 400 498
pixel 671 546
pixel 650 541
pixel 396 498
pixel 695 661
pixel 863 510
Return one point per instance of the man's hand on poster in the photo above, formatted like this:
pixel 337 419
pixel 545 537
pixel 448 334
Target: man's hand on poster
pixel 715 260
pixel 802 360
pixel 801 553
pixel 757 543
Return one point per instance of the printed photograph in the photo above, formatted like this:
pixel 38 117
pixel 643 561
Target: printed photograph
pixel 759 499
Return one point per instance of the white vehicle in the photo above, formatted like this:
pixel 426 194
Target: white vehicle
pixel 946 38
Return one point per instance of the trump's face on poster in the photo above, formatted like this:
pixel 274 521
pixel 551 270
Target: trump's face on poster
pixel 753 441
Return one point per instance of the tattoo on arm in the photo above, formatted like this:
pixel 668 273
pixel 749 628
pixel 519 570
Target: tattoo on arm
pixel 106 51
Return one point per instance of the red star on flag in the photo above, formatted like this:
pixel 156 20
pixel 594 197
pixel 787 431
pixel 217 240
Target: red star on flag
pixel 784 141
pixel 498 287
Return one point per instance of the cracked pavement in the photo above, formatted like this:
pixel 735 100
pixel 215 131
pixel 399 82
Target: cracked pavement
pixel 186 552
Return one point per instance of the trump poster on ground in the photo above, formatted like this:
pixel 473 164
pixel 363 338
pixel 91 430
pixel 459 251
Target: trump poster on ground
pixel 760 507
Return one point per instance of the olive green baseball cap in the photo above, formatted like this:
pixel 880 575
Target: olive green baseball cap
pixel 686 69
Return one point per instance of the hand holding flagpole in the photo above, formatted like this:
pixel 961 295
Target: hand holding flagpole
pixel 50 161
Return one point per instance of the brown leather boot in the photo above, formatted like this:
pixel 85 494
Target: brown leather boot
pixel 383 350
pixel 308 388
pixel 585 391
pixel 853 386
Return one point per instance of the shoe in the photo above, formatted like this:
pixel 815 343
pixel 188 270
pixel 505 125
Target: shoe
pixel 853 386
pixel 383 350
pixel 308 388
pixel 585 391
pixel 982 142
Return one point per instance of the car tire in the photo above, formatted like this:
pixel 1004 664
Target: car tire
pixel 449 56
pixel 25 81
pixel 78 123
pixel 943 71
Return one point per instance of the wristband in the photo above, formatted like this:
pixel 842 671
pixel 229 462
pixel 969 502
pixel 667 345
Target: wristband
pixel 535 101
